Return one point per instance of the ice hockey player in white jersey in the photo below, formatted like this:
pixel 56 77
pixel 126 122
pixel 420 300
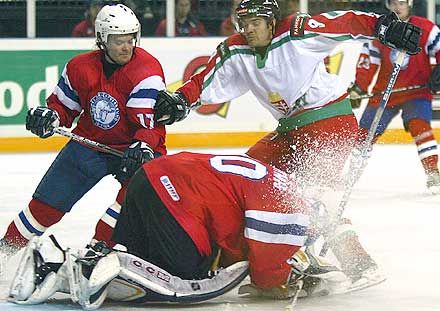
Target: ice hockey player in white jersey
pixel 281 62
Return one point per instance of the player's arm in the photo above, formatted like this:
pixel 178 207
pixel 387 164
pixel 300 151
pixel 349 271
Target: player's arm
pixel 148 135
pixel 63 106
pixel 273 237
pixel 345 25
pixel 366 67
pixel 433 49
pixel 219 82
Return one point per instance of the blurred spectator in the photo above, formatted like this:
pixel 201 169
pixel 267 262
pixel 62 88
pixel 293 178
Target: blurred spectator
pixel 86 28
pixel 289 7
pixel 227 27
pixel 187 25
pixel 145 14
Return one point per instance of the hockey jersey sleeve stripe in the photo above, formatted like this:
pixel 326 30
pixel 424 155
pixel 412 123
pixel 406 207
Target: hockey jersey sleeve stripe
pixel 278 218
pixel 434 41
pixel 141 103
pixel 288 239
pixel 145 93
pixel 263 226
pixel 152 82
pixel 66 95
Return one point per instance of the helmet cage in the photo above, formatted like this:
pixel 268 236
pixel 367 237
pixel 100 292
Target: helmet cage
pixel 116 20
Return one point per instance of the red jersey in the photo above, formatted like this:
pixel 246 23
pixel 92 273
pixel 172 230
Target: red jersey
pixel 247 208
pixel 416 69
pixel 84 29
pixel 114 111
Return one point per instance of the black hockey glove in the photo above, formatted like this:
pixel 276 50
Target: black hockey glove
pixel 136 154
pixel 434 80
pixel 170 108
pixel 41 121
pixel 355 91
pixel 397 34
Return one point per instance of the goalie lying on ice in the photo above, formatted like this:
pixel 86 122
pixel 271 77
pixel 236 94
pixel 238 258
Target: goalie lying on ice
pixel 173 222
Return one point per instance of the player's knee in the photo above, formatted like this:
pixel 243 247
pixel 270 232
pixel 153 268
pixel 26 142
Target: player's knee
pixel 418 127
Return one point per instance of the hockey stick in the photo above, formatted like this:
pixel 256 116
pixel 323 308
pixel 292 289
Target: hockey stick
pixel 398 90
pixel 359 162
pixel 88 142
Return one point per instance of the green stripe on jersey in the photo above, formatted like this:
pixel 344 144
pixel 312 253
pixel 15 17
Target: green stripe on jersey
pixel 307 117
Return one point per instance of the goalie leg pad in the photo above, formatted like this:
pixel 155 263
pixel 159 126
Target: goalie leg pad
pixel 37 277
pixel 89 272
pixel 159 285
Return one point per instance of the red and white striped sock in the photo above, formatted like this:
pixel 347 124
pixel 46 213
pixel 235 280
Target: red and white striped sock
pixel 32 221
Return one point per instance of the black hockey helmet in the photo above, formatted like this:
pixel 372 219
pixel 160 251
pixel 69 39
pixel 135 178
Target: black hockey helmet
pixel 260 8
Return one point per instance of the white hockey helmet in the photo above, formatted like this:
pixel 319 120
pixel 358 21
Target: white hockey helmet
pixel 410 3
pixel 116 20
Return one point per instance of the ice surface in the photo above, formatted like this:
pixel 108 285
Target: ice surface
pixel 395 216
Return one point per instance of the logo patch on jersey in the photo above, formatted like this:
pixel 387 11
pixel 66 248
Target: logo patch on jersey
pixel 166 182
pixel 393 57
pixel 297 27
pixel 104 111
pixel 278 102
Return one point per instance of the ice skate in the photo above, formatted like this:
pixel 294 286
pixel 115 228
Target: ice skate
pixel 320 277
pixel 433 183
pixel 365 274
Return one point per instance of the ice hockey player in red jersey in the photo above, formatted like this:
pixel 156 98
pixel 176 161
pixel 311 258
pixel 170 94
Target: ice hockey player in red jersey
pixel 281 61
pixel 113 91
pixel 180 210
pixel 415 105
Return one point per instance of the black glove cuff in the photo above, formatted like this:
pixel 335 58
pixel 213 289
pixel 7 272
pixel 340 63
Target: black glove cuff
pixel 182 98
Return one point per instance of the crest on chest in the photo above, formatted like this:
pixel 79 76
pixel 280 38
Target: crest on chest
pixel 104 111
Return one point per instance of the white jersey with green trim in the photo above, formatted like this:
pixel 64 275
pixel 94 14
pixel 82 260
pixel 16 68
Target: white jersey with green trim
pixel 292 75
